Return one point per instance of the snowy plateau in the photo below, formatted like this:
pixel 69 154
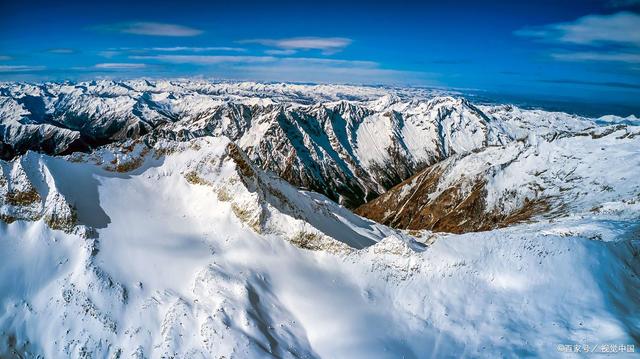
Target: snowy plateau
pixel 196 219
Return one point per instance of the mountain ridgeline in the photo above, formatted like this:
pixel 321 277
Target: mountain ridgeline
pixel 349 143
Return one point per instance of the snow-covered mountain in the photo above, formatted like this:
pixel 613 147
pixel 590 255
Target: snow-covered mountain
pixel 188 250
pixel 549 176
pixel 185 235
pixel 118 245
pixel 349 143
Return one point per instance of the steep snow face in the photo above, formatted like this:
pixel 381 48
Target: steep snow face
pixel 189 250
pixel 554 175
pixel 349 143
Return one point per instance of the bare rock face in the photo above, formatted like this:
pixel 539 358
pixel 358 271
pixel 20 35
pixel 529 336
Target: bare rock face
pixel 460 208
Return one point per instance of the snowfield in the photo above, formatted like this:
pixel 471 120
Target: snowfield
pixel 156 247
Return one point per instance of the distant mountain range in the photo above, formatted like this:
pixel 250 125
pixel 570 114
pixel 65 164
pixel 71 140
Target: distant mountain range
pixel 349 143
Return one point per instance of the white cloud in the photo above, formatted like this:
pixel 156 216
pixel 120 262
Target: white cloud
pixel 311 61
pixel 197 49
pixel 597 56
pixel 302 69
pixel 279 52
pixel 61 51
pixel 620 28
pixel 5 58
pixel 328 45
pixel 594 38
pixel 336 72
pixel 119 66
pixel 150 29
pixel 205 59
pixel 113 52
pixel 109 53
pixel 20 68
pixel 220 59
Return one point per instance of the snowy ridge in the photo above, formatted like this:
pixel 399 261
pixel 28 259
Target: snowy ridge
pixel 349 143
pixel 194 177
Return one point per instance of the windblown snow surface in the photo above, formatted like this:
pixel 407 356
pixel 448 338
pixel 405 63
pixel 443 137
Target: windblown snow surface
pixel 186 249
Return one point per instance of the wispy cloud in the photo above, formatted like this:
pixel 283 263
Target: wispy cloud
pixel 623 57
pixel 329 62
pixel 197 49
pixel 5 58
pixel 276 52
pixel 220 59
pixel 20 68
pixel 113 52
pixel 620 28
pixel 303 69
pixel 332 71
pixel 120 66
pixel 109 53
pixel 61 51
pixel 204 59
pixel 328 45
pixel 593 38
pixel 150 29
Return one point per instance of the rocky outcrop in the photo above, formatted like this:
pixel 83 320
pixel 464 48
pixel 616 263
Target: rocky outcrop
pixel 33 196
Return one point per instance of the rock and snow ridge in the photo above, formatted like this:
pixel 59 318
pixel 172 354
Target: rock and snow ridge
pixel 179 244
pixel 349 143
pixel 540 177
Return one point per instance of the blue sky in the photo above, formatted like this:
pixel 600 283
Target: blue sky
pixel 582 51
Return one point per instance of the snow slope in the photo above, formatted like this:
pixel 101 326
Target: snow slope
pixel 186 249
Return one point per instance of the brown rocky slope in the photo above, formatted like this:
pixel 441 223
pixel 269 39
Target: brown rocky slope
pixel 539 178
